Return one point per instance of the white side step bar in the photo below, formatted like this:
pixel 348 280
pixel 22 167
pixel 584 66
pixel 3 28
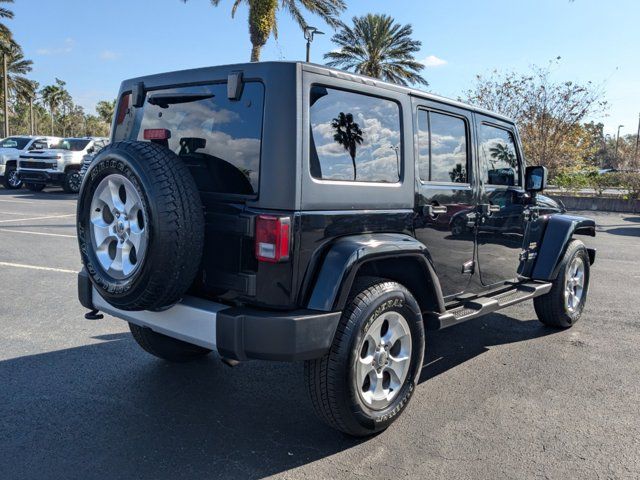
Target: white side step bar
pixel 192 320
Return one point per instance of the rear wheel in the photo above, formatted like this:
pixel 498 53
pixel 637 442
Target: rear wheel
pixel 10 179
pixel 35 187
pixel 562 307
pixel 167 348
pixel 366 380
pixel 72 181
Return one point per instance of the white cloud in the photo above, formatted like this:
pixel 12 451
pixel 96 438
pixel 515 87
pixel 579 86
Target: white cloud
pixel 432 61
pixel 66 47
pixel 109 55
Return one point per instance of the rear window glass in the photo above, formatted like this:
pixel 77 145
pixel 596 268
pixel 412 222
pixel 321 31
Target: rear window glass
pixel 354 137
pixel 219 139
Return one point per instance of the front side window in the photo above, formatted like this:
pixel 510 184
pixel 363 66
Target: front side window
pixel 218 138
pixel 14 142
pixel 72 144
pixel 498 156
pixel 354 137
pixel 442 148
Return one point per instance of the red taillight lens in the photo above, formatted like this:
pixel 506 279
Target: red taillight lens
pixel 123 108
pixel 157 134
pixel 272 238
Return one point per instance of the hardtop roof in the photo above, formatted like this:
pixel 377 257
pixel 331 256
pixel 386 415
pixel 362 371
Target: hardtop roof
pixel 254 69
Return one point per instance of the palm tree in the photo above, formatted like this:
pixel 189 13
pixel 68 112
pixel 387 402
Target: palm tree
pixel 263 22
pixel 53 96
pixel 348 134
pixel 105 110
pixel 5 33
pixel 378 47
pixel 20 87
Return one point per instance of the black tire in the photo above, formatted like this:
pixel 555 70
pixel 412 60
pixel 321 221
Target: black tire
pixel 72 181
pixel 552 308
pixel 175 219
pixel 35 187
pixel 167 348
pixel 10 181
pixel 330 379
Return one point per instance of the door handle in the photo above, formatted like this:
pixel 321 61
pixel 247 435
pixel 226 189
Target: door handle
pixel 433 210
pixel 486 209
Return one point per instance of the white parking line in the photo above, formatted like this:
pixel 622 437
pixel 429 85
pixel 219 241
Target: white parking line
pixel 29 232
pixel 37 218
pixel 16 201
pixel 36 267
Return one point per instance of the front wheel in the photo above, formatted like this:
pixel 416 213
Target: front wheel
pixel 371 371
pixel 72 181
pixel 562 307
pixel 35 187
pixel 10 179
pixel 167 348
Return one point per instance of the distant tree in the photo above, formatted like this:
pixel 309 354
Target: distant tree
pixel 20 87
pixel 379 47
pixel 549 114
pixel 105 110
pixel 53 97
pixel 348 134
pixel 263 21
pixel 5 32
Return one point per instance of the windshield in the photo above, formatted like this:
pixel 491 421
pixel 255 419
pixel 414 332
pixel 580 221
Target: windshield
pixel 72 144
pixel 15 142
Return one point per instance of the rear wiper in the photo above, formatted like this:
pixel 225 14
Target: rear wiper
pixel 163 100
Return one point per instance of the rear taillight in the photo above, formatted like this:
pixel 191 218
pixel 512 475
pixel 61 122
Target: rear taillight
pixel 272 238
pixel 156 134
pixel 123 108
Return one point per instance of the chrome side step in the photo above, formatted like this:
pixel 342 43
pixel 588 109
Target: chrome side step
pixel 484 305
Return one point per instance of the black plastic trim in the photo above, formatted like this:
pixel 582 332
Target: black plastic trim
pixel 85 289
pixel 243 333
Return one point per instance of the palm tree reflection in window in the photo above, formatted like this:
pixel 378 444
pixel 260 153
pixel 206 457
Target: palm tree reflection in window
pixel 458 174
pixel 503 153
pixel 348 134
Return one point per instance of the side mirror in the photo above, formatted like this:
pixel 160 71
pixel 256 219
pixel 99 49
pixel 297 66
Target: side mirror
pixel 91 151
pixel 535 179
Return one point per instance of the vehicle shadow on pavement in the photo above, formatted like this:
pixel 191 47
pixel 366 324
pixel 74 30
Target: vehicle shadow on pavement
pixel 455 345
pixel 109 410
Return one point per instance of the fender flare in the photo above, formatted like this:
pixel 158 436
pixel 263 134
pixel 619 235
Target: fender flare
pixel 338 269
pixel 557 235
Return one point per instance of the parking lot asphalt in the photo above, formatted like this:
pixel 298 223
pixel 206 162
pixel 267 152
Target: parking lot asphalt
pixel 500 397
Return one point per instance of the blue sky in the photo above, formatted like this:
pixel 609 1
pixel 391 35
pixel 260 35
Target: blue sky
pixel 93 45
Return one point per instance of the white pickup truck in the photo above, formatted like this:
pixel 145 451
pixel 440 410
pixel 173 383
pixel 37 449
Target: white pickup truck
pixel 58 165
pixel 11 148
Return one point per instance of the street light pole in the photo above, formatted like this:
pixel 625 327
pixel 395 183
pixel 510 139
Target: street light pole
pixel 309 32
pixel 637 141
pixel 617 141
pixel 6 94
pixel 31 122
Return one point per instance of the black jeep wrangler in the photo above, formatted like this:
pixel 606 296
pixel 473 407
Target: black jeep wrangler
pixel 288 211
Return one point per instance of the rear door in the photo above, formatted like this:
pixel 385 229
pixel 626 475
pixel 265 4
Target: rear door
pixel 444 191
pixel 501 222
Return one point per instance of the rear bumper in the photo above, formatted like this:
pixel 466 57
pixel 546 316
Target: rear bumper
pixel 235 333
pixel 41 176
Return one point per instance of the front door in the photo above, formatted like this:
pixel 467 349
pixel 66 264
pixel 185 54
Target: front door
pixel 444 192
pixel 501 223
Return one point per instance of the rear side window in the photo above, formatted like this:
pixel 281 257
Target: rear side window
pixel 354 137
pixel 219 139
pixel 442 148
pixel 498 157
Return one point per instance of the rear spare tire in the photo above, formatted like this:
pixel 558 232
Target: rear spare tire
pixel 140 226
